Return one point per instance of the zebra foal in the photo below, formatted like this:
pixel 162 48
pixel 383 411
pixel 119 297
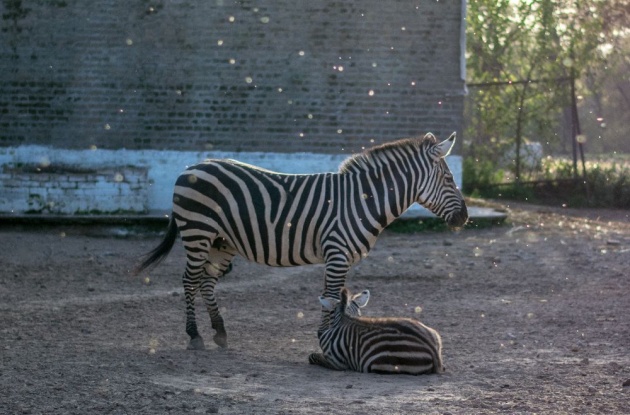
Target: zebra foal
pixel 375 345
pixel 223 207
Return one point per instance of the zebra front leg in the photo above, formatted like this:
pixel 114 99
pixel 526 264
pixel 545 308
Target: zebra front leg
pixel 320 360
pixel 336 270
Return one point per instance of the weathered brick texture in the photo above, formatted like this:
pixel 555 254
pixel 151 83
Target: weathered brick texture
pixel 269 75
pixel 61 190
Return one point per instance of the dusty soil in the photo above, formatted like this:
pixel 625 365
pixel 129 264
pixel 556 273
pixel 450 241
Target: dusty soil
pixel 534 317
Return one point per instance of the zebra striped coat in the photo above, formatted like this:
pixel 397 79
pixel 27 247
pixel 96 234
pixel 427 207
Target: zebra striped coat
pixel 376 345
pixel 223 208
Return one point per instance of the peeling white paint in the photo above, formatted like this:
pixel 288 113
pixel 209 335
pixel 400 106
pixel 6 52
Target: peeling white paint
pixel 163 168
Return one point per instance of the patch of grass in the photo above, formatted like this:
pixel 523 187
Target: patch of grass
pixel 414 225
pixel 407 226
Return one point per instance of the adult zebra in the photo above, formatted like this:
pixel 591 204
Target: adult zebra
pixel 224 207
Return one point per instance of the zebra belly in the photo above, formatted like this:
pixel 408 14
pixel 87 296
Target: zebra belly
pixel 397 362
pixel 253 242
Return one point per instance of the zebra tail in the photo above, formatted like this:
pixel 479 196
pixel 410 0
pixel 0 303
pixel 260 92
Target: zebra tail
pixel 161 251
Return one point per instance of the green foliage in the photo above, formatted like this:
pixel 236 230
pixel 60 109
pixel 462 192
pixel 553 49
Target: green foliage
pixel 606 183
pixel 548 41
pixel 480 175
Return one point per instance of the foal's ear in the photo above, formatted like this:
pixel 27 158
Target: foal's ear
pixel 362 299
pixel 444 148
pixel 328 303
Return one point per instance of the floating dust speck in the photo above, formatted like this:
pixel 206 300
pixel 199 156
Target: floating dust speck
pixel 371 92
pixel 118 177
pixel 300 315
pixel 364 196
pixel 418 310
pixel 129 42
pixel 44 161
pixel 147 280
pixel 390 259
pixel 192 179
pixel 62 235
pixel 264 19
pixel 153 344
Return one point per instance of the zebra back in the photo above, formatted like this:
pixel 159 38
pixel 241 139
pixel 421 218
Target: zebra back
pixel 380 345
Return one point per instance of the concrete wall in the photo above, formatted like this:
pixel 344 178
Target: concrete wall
pixel 38 179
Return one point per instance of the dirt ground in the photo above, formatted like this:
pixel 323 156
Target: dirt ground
pixel 534 317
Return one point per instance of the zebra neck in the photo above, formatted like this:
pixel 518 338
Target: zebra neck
pixel 386 191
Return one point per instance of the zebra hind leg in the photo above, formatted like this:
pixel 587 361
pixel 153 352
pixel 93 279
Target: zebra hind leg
pixel 219 263
pixel 191 279
pixel 320 360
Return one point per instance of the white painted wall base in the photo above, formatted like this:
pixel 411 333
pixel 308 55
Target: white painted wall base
pixel 119 185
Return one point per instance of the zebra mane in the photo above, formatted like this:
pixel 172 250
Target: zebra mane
pixel 344 297
pixel 365 159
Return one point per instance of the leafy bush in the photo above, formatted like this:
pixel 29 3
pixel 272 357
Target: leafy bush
pixel 606 183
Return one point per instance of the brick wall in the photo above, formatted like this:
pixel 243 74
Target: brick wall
pixel 322 76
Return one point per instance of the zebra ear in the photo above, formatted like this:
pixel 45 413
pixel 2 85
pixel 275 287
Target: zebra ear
pixel 362 299
pixel 328 303
pixel 430 136
pixel 444 148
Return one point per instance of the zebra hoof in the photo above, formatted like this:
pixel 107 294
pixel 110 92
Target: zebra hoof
pixel 221 340
pixel 196 344
pixel 315 358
